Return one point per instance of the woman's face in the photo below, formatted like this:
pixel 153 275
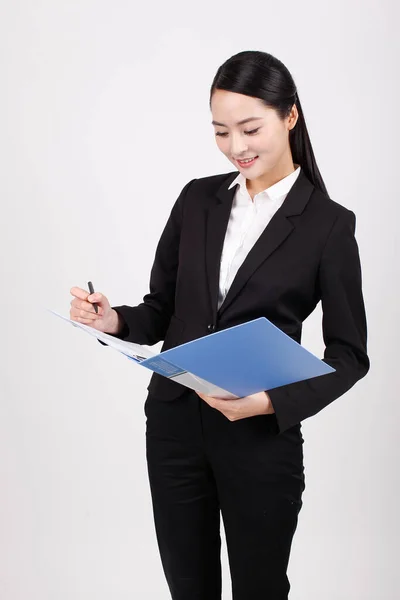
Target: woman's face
pixel 266 137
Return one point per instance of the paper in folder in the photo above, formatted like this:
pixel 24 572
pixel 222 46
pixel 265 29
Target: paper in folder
pixel 232 363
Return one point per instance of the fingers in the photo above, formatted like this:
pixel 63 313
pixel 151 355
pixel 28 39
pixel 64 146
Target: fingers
pixel 84 316
pixel 229 408
pixel 84 305
pixel 85 309
pixel 214 402
pixel 79 293
pixel 81 309
pixel 97 297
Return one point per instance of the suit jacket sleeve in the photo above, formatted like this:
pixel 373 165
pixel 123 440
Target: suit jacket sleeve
pixel 344 330
pixel 148 322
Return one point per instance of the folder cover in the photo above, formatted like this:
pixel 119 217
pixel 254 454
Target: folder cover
pixel 231 363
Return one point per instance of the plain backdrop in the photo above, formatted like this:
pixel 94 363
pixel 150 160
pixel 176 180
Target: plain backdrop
pixel 104 118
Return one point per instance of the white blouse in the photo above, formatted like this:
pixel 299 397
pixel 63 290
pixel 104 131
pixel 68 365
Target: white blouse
pixel 247 221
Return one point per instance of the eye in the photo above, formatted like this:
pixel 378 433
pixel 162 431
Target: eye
pixel 251 132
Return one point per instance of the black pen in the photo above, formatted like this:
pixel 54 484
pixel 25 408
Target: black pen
pixel 91 290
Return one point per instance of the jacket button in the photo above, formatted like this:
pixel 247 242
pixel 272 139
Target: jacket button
pixel 211 327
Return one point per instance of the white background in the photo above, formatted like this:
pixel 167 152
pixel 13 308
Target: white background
pixel 104 118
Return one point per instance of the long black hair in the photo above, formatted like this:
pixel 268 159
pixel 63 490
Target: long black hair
pixel 261 75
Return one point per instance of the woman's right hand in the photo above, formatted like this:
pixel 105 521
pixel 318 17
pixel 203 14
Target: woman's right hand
pixel 82 311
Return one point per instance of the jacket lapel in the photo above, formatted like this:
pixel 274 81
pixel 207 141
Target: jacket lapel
pixel 217 222
pixel 274 234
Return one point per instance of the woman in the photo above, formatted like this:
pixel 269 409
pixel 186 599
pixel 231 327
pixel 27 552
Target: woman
pixel 263 240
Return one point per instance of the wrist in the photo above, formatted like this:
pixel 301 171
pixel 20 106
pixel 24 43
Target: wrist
pixel 117 323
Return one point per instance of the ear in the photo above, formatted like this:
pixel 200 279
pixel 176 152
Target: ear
pixel 293 117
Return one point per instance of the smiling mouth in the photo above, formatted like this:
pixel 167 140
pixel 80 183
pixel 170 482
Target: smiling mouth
pixel 246 161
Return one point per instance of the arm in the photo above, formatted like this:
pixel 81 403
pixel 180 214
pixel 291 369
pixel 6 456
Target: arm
pixel 148 322
pixel 344 330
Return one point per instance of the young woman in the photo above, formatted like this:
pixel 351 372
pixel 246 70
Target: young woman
pixel 262 240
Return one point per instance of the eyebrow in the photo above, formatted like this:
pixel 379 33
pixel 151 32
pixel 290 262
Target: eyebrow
pixel 239 122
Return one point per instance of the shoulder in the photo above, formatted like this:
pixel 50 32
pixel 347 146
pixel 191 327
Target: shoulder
pixel 332 214
pixel 200 193
pixel 218 179
pixel 210 183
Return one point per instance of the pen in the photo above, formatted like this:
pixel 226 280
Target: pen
pixel 91 290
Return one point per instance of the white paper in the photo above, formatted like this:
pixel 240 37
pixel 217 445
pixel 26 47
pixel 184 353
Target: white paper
pixel 139 352
pixel 136 351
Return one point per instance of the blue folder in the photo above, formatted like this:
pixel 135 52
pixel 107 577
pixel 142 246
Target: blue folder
pixel 243 359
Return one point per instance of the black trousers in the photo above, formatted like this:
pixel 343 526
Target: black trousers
pixel 201 465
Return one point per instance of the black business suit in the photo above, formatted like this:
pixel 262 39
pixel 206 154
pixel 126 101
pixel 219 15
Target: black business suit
pixel 251 469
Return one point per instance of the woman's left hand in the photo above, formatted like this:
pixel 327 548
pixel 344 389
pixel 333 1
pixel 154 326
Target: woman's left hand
pixel 241 408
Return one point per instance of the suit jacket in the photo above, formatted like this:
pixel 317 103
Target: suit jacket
pixel 306 253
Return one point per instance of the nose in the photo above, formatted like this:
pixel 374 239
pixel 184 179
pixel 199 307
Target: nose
pixel 238 146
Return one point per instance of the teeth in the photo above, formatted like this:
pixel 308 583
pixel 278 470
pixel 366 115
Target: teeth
pixel 248 160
